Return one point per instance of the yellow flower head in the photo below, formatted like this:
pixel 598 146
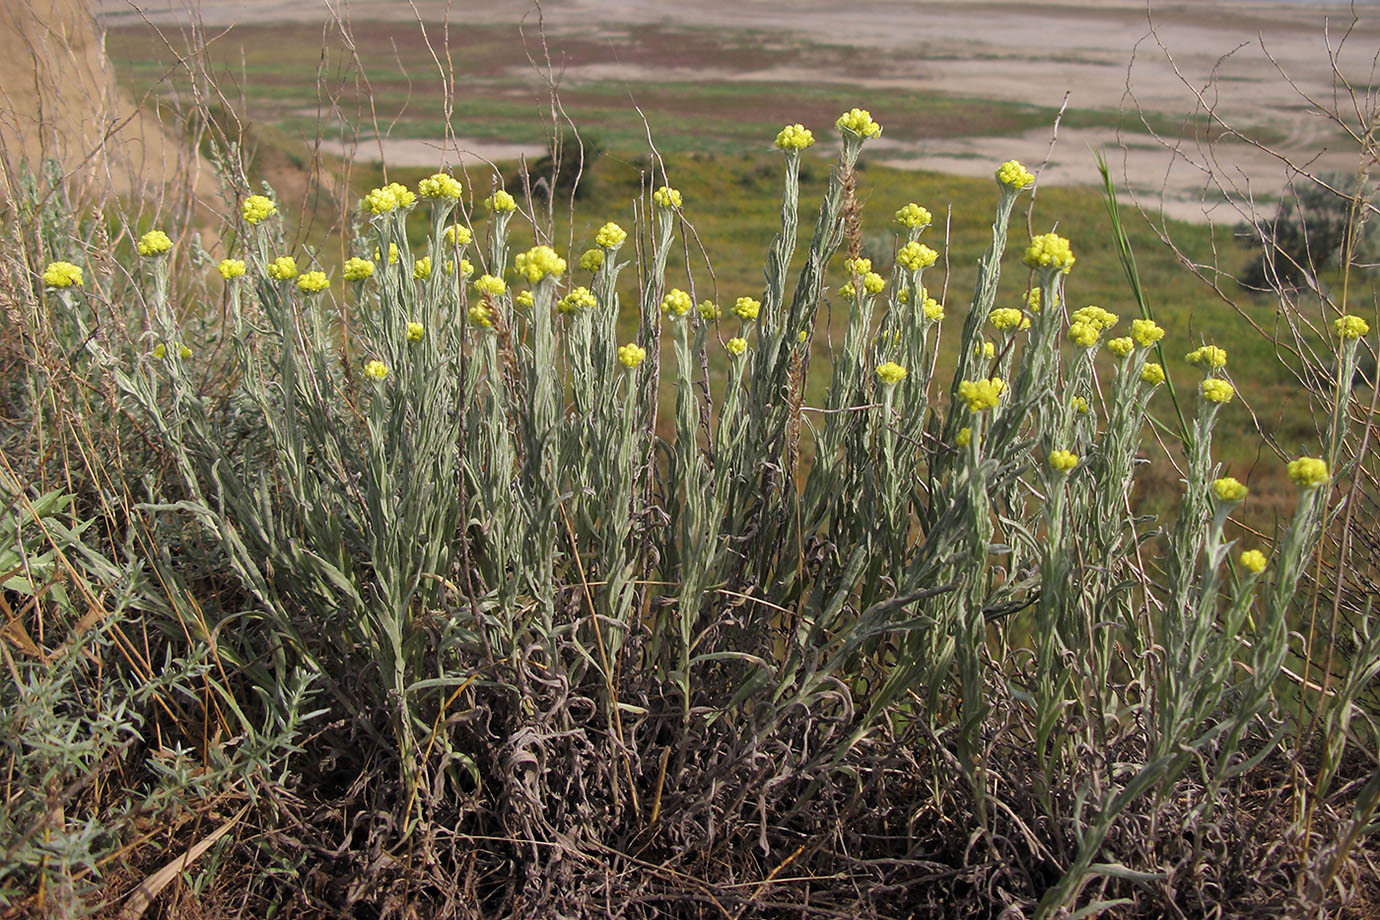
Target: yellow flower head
pixel 375 370
pixel 987 349
pixel 1228 489
pixel 577 300
pixel 1050 251
pixel 257 208
pixel 184 352
pixel 313 282
pixel 466 267
pixel 160 351
pixel 1014 176
pixel 1209 357
pixel 708 310
pixel 1146 332
pixel 591 260
pixel 746 308
pixel 1216 390
pixel 392 253
pixel 1008 318
pixel 62 275
pixel 357 269
pixel 539 262
pixel 458 235
pixel 501 202
pixel 1080 405
pixel 964 437
pixel 1350 326
pixel 735 346
pixel 1253 561
pixel 858 122
pixel 914 217
pixel 1121 347
pixel 230 268
pixel 915 256
pixel 1061 461
pixel 283 268
pixel 667 197
pixel 1084 334
pixel 676 303
pixel 610 236
pixel 795 137
pixel 524 299
pixel 873 282
pixel 1308 472
pixel 1152 373
pixel 1095 316
pixel 490 285
pixel 421 269
pixel 154 243
pixel 933 310
pixel 631 355
pixel 981 395
pixel 1032 300
pixel 440 185
pixel 390 197
pixel 416 331
pixel 859 266
pixel 479 315
pixel 891 373
pixel 903 295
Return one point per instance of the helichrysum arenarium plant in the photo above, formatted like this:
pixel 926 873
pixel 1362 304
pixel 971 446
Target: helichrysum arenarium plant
pixel 457 513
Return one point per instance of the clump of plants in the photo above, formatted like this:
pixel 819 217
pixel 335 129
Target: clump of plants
pixel 563 658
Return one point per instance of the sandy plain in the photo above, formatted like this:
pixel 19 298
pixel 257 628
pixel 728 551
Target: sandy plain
pixel 1302 75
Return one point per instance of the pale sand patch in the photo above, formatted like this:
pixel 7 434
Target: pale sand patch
pixel 424 152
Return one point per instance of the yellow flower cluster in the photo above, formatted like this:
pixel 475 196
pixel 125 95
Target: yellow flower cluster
pixel 1350 326
pixel 1152 373
pixel 708 310
pixel 795 137
pixel 458 235
pixel 539 262
pixel 257 208
pixel 859 122
pixel 610 236
pixel 1253 561
pixel 1084 334
pixel 524 299
pixel 1014 176
pixel 676 303
pixel 746 308
pixel 1061 461
pixel 915 256
pixel 415 331
pixel 62 275
pixel 1050 251
pixel 480 315
pixel 501 202
pixel 914 216
pixel 933 310
pixel 313 282
pixel 283 268
pixel 375 370
pixel 392 253
pixel 1217 390
pixel 1308 472
pixel 1008 318
pixel 591 260
pixel 579 299
pixel 858 266
pixel 631 355
pixel 891 373
pixel 986 349
pixel 160 351
pixel 490 285
pixel 439 185
pixel 667 197
pixel 1080 405
pixel 873 282
pixel 1146 332
pixel 421 269
pixel 736 346
pixel 388 198
pixel 1032 300
pixel 1209 357
pixel 964 437
pixel 357 269
pixel 1096 316
pixel 154 243
pixel 230 268
pixel 981 395
pixel 1121 347
pixel 1228 489
pixel 466 268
